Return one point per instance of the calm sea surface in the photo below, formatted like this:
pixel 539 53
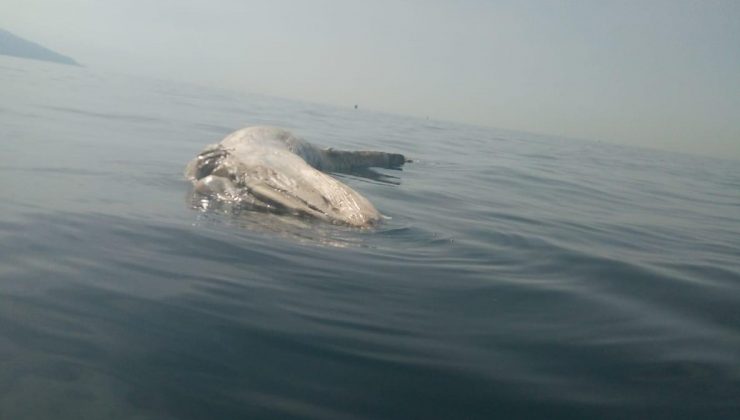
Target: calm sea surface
pixel 518 276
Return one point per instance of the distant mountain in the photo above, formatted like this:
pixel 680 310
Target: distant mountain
pixel 19 47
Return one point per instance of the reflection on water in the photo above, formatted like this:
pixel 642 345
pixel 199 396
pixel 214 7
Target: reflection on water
pixel 241 216
pixel 514 276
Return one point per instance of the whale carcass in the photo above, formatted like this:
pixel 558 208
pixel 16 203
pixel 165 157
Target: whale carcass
pixel 268 168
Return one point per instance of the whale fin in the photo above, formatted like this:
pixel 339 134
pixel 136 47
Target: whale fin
pixel 344 160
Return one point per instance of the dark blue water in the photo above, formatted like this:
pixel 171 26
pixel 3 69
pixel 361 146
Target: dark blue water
pixel 517 275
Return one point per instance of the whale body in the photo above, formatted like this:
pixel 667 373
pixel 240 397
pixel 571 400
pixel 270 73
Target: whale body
pixel 270 169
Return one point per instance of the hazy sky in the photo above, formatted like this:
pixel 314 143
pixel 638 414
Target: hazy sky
pixel 662 74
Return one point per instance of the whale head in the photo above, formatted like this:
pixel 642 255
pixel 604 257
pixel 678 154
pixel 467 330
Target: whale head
pixel 265 176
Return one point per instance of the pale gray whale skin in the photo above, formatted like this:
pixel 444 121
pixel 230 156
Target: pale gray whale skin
pixel 268 168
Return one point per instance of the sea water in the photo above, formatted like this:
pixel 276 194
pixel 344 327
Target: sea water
pixel 515 275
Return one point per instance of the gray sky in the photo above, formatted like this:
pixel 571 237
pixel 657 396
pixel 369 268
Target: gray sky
pixel 663 74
